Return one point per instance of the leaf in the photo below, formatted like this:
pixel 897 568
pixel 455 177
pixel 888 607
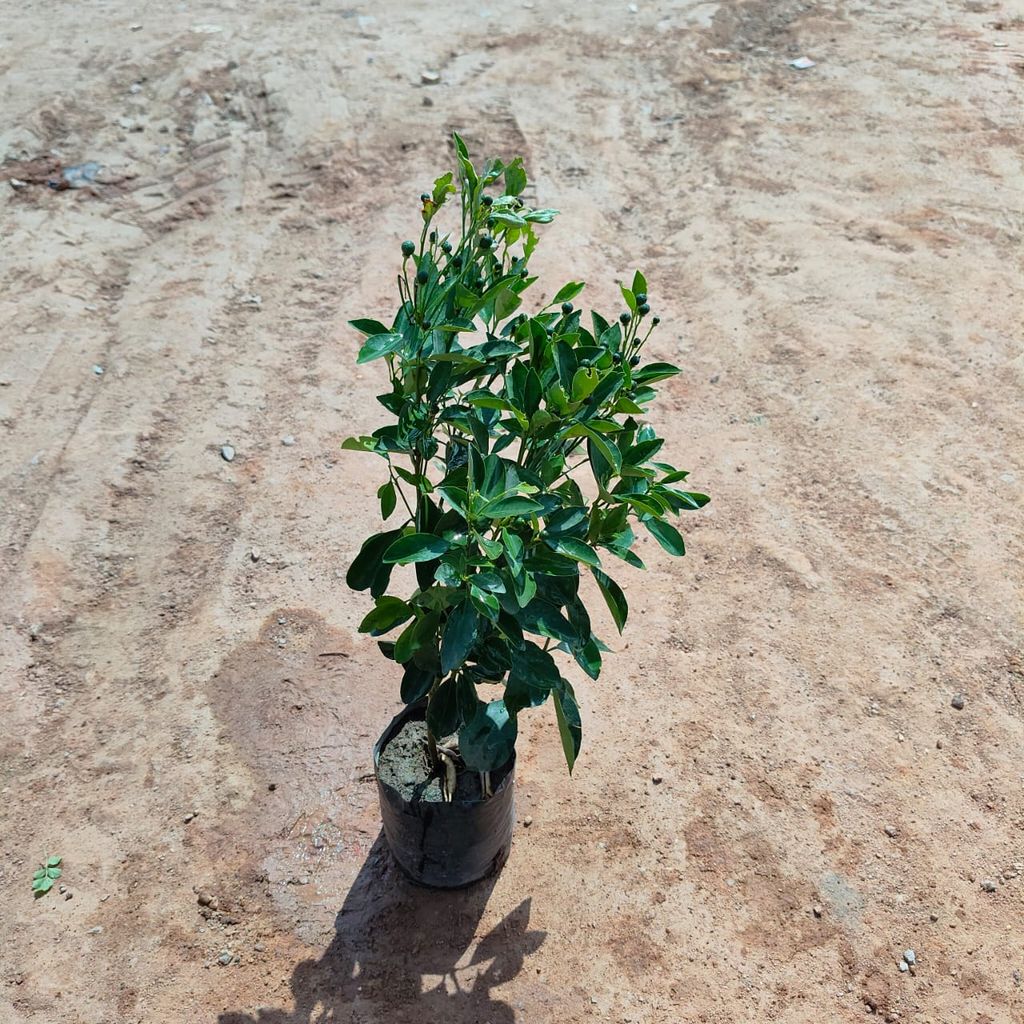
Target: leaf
pixel 515 177
pixel 584 380
pixel 514 505
pixel 567 292
pixel 609 452
pixel 416 636
pixel 639 284
pixel 460 633
pixel 654 372
pixel 41 886
pixel 53 873
pixel 570 728
pixel 388 613
pixel 531 677
pixel 359 444
pixel 628 297
pixel 367 564
pixel 369 327
pixel 490 581
pixel 487 740
pixel 379 345
pixel 574 548
pixel 416 547
pixel 53 862
pixel 443 187
pixel 416 683
pixel 613 597
pixel 388 499
pixel 443 709
pixel 588 657
pixel 666 535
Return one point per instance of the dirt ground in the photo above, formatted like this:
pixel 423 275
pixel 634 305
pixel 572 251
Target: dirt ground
pixel 836 253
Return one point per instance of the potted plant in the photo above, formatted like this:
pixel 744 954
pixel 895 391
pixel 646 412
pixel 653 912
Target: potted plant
pixel 517 468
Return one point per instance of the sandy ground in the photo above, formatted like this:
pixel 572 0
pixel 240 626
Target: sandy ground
pixel 836 254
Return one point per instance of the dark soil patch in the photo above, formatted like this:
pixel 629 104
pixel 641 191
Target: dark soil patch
pixel 405 766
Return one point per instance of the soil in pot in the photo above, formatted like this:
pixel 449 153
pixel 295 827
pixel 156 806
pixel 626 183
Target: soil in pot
pixel 405 766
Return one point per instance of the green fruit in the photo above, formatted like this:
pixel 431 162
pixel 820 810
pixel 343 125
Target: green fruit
pixel 408 248
pixel 624 318
pixel 422 277
pixel 566 308
pixel 616 358
pixel 487 200
pixel 643 309
pixel 424 197
pixel 485 241
pixel 656 320
pixel 641 298
pixel 635 361
pixel 446 246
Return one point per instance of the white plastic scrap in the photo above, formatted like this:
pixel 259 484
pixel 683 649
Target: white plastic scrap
pixel 802 63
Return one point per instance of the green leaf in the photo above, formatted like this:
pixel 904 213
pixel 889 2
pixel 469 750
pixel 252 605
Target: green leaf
pixel 487 740
pixel 416 636
pixel 53 873
pixel 584 381
pixel 443 188
pixel 609 452
pixel 53 862
pixel 515 177
pixel 369 327
pixel 567 292
pixel 359 444
pixel 416 547
pixel 629 298
pixel 540 216
pixel 666 535
pixel 443 709
pixel 570 728
pixel 42 885
pixel 613 597
pixel 574 548
pixel 639 284
pixel 388 499
pixel 490 581
pixel 379 345
pixel 388 613
pixel 367 564
pixel 531 678
pixel 514 505
pixel 654 372
pixel 588 657
pixel 416 683
pixel 460 633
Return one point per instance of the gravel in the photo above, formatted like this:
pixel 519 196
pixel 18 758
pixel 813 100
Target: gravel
pixel 227 453
pixel 988 885
pixel 958 701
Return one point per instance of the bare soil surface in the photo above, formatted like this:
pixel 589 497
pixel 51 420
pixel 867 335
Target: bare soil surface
pixel 776 797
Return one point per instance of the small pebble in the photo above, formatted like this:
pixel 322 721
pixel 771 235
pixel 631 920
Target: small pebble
pixel 527 821
pixel 287 440
pixel 958 701
pixel 656 779
pixel 933 917
pixel 427 102
pixel 225 958
pixel 988 885
pixel 188 817
pixel 903 966
pixel 430 77
pixel 98 370
pixel 69 895
pixel 254 554
pixel 816 911
pixel 96 930
pixel 272 786
pixel 892 831
pixel 938 743
pixel 910 956
pixel 259 947
pixel 227 453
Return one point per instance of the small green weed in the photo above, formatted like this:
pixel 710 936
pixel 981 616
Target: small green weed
pixel 45 876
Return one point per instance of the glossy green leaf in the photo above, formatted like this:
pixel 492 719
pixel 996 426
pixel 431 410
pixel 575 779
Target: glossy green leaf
pixel 379 345
pixel 460 633
pixel 570 728
pixel 567 292
pixel 388 499
pixel 369 327
pixel 388 613
pixel 574 548
pixel 416 547
pixel 666 535
pixel 487 740
pixel 366 565
pixel 613 597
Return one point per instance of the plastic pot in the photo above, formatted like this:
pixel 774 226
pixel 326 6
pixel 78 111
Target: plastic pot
pixel 445 845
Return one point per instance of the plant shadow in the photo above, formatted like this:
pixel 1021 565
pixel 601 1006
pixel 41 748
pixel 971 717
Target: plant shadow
pixel 399 954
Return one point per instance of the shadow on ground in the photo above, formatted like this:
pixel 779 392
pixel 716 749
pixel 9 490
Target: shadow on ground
pixel 400 953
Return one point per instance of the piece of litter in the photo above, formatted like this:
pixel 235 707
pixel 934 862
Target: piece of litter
pixel 78 176
pixel 801 63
